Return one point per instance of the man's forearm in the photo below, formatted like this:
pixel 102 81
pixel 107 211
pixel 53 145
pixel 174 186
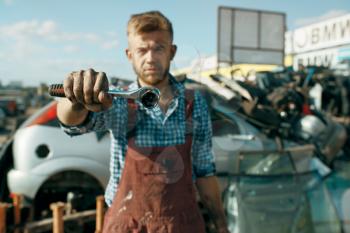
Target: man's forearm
pixel 209 192
pixel 71 114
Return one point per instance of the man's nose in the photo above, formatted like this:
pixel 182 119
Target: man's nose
pixel 150 56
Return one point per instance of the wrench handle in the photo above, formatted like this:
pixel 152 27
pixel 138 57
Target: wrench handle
pixel 56 90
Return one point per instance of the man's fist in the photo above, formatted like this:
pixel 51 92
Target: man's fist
pixel 89 89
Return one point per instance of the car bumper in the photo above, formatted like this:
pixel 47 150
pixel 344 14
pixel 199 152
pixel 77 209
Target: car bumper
pixel 23 182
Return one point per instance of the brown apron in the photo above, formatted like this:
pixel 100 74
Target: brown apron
pixel 156 192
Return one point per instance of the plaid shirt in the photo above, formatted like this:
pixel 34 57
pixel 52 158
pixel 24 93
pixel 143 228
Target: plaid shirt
pixel 157 129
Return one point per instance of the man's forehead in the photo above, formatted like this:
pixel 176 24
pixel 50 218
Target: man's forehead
pixel 156 37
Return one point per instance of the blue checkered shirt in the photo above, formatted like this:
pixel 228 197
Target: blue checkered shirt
pixel 157 129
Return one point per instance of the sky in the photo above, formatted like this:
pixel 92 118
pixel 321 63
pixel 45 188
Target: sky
pixel 42 41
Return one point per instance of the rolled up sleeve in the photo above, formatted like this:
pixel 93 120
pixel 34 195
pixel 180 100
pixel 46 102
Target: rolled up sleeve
pixel 95 121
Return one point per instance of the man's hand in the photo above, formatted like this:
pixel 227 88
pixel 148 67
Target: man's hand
pixel 209 192
pixel 223 230
pixel 85 91
pixel 88 89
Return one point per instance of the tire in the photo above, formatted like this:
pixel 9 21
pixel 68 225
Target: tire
pixel 6 164
pixel 84 188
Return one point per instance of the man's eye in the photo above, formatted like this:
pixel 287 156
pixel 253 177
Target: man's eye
pixel 141 51
pixel 159 49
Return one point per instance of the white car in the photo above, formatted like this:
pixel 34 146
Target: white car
pixel 49 164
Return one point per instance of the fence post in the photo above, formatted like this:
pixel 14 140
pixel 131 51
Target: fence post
pixel 17 201
pixel 3 208
pixel 57 215
pixel 99 213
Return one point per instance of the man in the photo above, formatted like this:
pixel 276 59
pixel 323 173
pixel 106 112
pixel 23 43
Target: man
pixel 156 154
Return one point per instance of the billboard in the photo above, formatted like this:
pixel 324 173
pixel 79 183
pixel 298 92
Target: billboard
pixel 329 33
pixel 324 43
pixel 250 36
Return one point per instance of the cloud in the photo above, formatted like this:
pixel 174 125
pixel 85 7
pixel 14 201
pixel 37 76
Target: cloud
pixel 110 44
pixel 330 14
pixel 22 29
pixel 21 40
pixel 24 37
pixel 71 49
pixel 43 48
pixel 49 30
pixel 8 2
pixel 111 34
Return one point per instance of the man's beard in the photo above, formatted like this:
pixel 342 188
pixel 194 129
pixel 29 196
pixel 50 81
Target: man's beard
pixel 151 81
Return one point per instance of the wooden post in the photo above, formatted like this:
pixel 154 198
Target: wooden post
pixel 17 201
pixel 99 213
pixel 3 207
pixel 57 215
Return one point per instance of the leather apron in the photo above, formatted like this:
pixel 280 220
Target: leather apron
pixel 156 192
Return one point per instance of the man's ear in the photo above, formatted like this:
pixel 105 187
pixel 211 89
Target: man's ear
pixel 173 51
pixel 128 54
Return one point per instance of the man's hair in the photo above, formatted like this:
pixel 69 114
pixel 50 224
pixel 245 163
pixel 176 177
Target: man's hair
pixel 149 22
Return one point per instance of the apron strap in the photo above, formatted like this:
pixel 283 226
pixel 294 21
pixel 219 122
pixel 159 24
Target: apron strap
pixel 132 118
pixel 189 103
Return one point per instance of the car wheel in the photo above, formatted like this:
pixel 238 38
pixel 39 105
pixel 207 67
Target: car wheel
pixel 6 164
pixel 80 187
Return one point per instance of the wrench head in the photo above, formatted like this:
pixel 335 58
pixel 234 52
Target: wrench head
pixel 149 97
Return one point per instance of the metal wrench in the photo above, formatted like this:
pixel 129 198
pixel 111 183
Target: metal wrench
pixel 148 96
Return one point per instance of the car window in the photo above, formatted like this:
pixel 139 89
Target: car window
pixel 223 125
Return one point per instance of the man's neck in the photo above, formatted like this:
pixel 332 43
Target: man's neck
pixel 166 92
pixel 164 86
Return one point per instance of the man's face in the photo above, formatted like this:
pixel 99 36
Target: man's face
pixel 150 55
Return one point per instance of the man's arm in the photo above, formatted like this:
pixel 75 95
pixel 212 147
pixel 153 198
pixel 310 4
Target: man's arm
pixel 209 192
pixel 204 164
pixel 71 114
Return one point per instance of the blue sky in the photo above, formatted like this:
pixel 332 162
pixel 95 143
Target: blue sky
pixel 44 40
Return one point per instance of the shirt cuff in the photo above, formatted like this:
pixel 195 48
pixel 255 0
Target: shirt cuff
pixel 204 172
pixel 82 128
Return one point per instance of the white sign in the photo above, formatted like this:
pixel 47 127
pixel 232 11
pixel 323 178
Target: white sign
pixel 250 36
pixel 330 33
pixel 327 57
pixel 288 38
